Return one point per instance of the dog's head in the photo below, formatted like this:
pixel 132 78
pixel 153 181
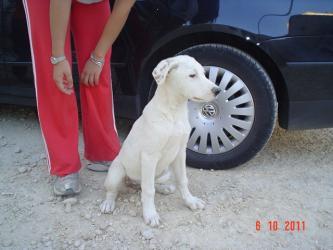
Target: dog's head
pixel 186 77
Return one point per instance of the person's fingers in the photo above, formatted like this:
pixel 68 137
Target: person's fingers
pixel 91 79
pixel 96 78
pixel 69 79
pixel 60 84
pixel 85 79
pixel 68 87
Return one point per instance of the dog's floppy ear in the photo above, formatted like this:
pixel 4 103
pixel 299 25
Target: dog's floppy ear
pixel 162 69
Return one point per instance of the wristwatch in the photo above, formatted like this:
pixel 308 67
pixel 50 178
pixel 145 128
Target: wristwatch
pixel 56 60
pixel 98 61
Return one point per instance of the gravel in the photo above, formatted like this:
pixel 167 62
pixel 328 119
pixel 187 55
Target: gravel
pixel 147 234
pixel 22 170
pixel 290 180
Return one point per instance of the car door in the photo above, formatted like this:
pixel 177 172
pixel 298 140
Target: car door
pixel 303 50
pixel 16 78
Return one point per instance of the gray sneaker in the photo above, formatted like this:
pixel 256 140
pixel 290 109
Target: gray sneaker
pixel 67 185
pixel 99 166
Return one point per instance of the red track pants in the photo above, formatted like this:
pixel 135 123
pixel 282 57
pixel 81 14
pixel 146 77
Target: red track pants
pixel 58 112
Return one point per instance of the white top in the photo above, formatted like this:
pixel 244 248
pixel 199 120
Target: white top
pixel 89 1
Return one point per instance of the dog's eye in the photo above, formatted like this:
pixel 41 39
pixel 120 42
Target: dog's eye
pixel 193 75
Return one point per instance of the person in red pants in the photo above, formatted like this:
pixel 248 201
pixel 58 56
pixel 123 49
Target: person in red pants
pixel 94 29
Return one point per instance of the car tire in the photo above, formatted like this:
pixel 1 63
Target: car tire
pixel 265 104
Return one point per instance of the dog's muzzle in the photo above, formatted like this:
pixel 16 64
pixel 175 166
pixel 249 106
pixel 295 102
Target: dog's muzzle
pixel 216 90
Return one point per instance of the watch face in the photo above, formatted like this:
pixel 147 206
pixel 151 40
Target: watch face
pixel 53 60
pixel 56 60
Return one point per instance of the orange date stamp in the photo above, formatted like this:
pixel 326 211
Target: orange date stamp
pixel 285 226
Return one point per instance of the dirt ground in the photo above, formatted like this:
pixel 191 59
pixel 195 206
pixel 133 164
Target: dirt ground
pixel 290 180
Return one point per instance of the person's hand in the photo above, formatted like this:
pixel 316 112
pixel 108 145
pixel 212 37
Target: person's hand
pixel 62 75
pixel 90 74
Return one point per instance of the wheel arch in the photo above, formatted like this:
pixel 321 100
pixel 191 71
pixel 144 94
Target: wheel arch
pixel 185 37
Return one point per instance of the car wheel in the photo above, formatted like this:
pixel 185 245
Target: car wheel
pixel 235 126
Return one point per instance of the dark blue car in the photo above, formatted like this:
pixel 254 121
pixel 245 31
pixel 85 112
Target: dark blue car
pixel 271 58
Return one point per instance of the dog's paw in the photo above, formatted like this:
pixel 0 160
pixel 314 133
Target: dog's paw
pixel 195 203
pixel 165 188
pixel 152 219
pixel 107 206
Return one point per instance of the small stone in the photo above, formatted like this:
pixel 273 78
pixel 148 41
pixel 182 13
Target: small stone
pixel 87 216
pixel 77 243
pixel 98 232
pixel 34 158
pixel 212 170
pixel 48 243
pixel 45 238
pixel 276 155
pixel 22 170
pixel 68 208
pixel 18 150
pixel 104 226
pixel 147 234
pixel 7 243
pixel 87 236
pixel 51 198
pixel 68 204
pixel 42 156
pixel 71 201
pixel 152 246
pixel 82 247
pixel 33 243
pixel 7 194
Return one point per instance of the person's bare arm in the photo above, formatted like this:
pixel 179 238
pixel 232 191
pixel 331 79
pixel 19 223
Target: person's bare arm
pixel 114 25
pixel 59 18
pixel 112 28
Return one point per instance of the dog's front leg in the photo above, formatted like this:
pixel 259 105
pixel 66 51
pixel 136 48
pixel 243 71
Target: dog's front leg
pixel 148 167
pixel 179 168
pixel 112 184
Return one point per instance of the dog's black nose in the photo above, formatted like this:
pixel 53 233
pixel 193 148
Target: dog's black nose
pixel 216 90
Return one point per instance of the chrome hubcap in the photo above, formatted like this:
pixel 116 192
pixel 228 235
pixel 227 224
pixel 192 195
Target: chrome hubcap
pixel 221 125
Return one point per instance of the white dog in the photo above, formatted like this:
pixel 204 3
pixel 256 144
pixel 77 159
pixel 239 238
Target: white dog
pixel 158 138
